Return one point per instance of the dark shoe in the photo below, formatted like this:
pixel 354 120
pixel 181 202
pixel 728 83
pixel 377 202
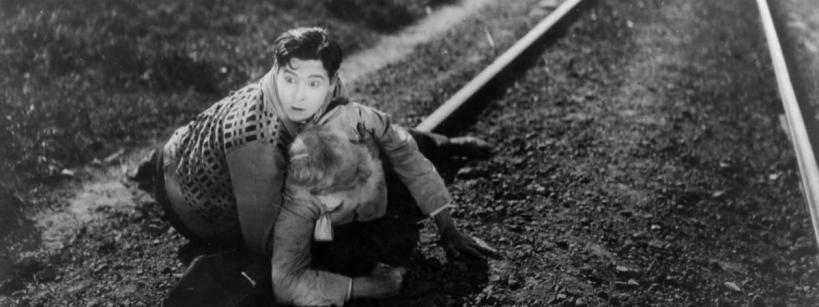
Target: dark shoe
pixel 224 279
pixel 467 146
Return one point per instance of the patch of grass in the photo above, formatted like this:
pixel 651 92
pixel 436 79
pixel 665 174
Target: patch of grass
pixel 82 79
pixel 388 15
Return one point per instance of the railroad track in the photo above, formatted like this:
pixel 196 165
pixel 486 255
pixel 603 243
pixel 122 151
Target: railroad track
pixel 728 229
pixel 794 120
pixel 448 108
pixel 581 223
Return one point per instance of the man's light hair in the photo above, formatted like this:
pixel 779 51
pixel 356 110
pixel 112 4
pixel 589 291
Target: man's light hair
pixel 326 161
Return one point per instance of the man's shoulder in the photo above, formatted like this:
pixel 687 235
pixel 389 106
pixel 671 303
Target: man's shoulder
pixel 359 109
pixel 349 114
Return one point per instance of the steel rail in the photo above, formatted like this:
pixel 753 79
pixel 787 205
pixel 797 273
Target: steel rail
pixel 467 91
pixel 797 130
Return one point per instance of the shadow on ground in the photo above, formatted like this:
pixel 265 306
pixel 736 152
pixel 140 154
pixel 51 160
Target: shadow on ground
pixel 227 278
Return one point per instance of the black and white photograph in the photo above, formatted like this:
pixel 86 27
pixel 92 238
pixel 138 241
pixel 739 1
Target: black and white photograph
pixel 246 153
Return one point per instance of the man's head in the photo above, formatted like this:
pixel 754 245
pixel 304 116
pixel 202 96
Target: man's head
pixel 307 60
pixel 325 161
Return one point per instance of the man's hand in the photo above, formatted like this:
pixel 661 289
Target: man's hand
pixel 384 281
pixel 389 279
pixel 456 244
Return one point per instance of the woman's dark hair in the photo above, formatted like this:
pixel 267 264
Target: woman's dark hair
pixel 308 44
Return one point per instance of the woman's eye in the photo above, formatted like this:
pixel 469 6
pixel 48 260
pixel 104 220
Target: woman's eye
pixel 314 84
pixel 289 79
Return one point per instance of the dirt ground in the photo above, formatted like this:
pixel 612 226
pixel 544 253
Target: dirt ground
pixel 639 161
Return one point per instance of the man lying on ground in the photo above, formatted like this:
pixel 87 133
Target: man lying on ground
pixel 220 178
pixel 332 181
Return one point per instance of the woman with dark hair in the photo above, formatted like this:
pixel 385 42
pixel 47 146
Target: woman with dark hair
pixel 220 177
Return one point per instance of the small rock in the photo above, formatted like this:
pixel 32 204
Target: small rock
pixel 579 302
pixel 625 271
pixel 515 227
pixel 727 266
pixel 470 172
pixel 536 12
pixel 99 267
pixel 630 284
pixel 548 4
pixel 79 287
pixel 639 234
pixel 660 244
pixel 601 251
pixel 733 286
pixel 110 158
pixel 127 290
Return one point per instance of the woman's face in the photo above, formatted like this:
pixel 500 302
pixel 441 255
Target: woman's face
pixel 303 86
